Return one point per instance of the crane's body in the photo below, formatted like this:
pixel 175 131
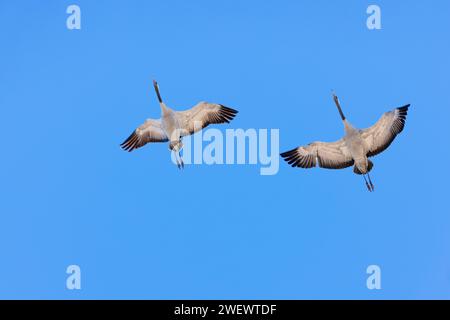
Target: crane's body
pixel 355 144
pixel 173 125
pixel 355 148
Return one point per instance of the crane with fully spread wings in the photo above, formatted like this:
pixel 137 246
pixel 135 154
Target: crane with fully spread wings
pixel 174 125
pixel 355 148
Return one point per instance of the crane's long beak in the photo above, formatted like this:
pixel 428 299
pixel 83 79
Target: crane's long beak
pixel 155 84
pixel 338 105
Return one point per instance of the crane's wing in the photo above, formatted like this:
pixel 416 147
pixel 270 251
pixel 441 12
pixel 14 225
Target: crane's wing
pixel 330 155
pixel 380 136
pixel 150 131
pixel 204 114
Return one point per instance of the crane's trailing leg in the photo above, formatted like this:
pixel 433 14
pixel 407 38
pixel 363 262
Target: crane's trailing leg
pixel 367 184
pixel 370 182
pixel 178 159
pixel 181 159
pixel 176 148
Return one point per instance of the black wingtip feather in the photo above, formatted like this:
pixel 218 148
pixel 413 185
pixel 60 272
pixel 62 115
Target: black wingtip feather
pixel 288 153
pixel 130 142
pixel 226 114
pixel 291 157
pixel 225 108
pixel 403 112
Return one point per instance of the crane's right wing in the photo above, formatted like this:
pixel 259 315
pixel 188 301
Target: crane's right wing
pixel 204 114
pixel 150 131
pixel 330 155
pixel 380 136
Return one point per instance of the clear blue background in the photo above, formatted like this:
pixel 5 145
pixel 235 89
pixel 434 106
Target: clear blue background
pixel 140 228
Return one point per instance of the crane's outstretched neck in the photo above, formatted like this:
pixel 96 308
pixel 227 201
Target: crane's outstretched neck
pixel 164 108
pixel 338 105
pixel 155 85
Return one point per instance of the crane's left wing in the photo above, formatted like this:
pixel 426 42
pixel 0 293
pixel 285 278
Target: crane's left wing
pixel 204 114
pixel 150 131
pixel 380 136
pixel 330 155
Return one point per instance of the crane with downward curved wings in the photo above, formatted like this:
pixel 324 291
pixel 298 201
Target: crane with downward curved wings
pixel 355 148
pixel 174 125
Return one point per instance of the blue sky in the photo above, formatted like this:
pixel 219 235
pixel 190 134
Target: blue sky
pixel 140 228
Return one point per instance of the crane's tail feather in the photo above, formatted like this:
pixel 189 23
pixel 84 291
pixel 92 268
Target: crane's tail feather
pixel 369 168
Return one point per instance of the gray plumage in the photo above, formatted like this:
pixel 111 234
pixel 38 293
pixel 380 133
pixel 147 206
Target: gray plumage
pixel 355 148
pixel 173 125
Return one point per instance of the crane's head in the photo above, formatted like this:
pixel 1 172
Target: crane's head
pixel 155 85
pixel 338 105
